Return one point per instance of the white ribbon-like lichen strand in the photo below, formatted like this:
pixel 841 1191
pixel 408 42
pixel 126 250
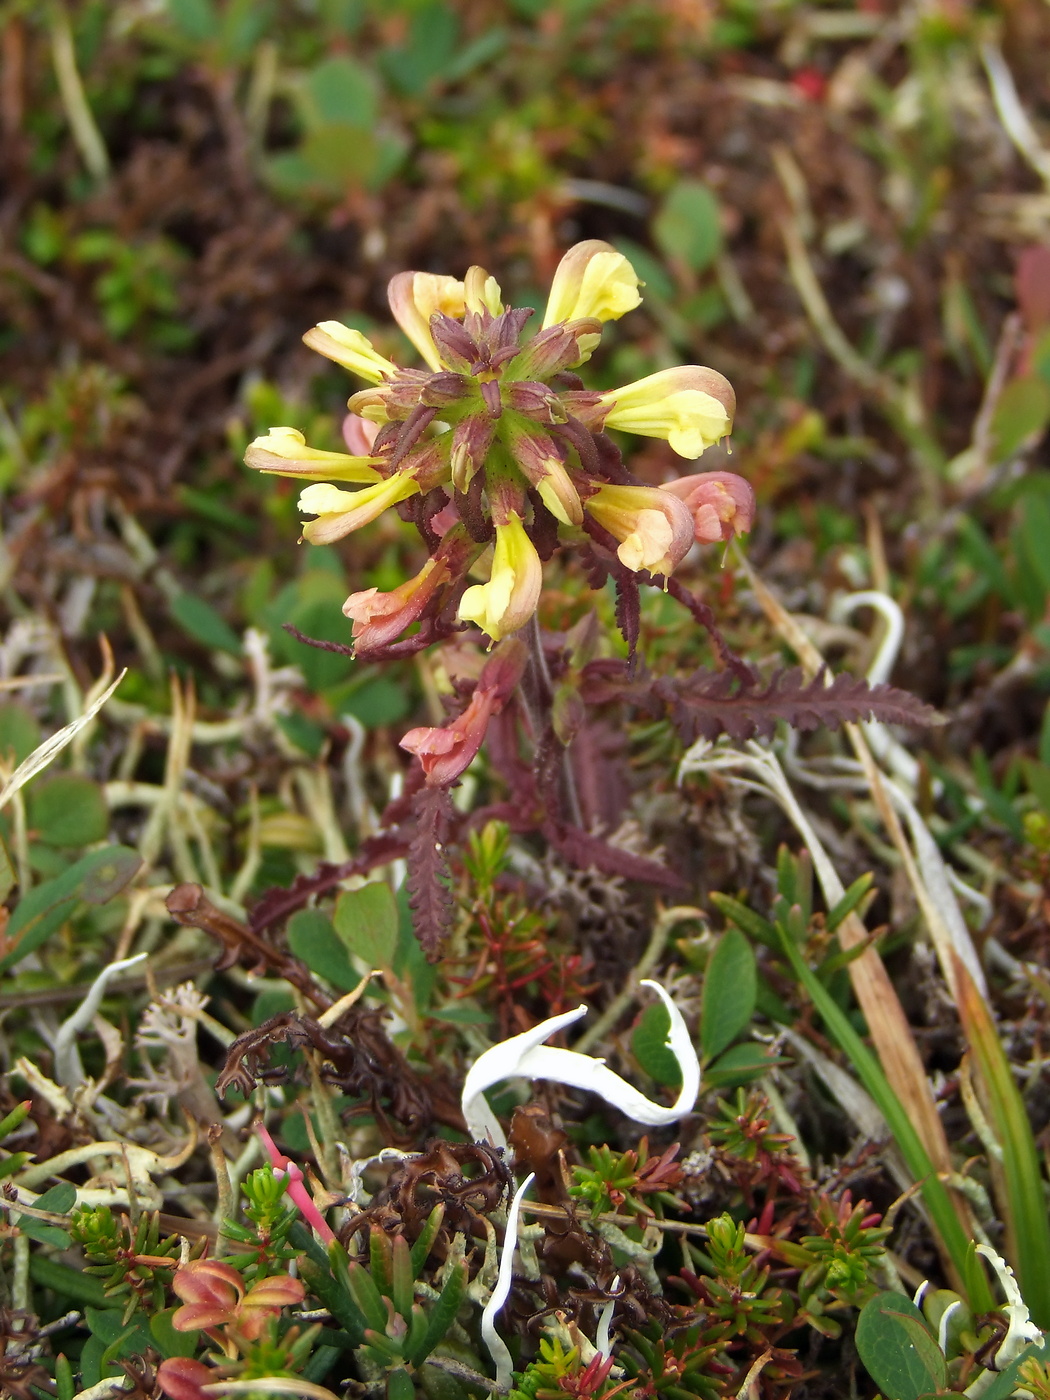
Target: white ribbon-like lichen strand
pixel 525 1056
pixel 497 1347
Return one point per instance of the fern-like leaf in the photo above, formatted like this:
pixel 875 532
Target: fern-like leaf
pixel 429 897
pixel 709 703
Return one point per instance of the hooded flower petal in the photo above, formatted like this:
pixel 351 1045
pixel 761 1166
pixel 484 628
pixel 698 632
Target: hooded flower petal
pixel 690 407
pixel 379 618
pixel 722 504
pixel 416 296
pixel 350 349
pixel 447 751
pixel 592 279
pixel 284 451
pixel 509 598
pixel 526 1056
pixel 358 433
pixel 654 528
pixel 481 292
pixel 339 512
pixel 538 460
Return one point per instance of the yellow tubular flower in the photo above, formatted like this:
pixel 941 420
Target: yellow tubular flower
pixel 691 407
pixel 350 349
pixel 655 529
pixel 284 451
pixel 592 279
pixel 416 296
pixel 482 292
pixel 509 598
pixel 558 494
pixel 340 512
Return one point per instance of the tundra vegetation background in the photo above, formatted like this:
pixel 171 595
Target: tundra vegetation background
pixel 232 898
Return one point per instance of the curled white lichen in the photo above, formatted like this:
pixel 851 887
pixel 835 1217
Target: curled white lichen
pixel 526 1056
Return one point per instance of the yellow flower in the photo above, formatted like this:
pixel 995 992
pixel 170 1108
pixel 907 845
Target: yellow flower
pixel 592 279
pixel 509 598
pixel 481 292
pixel 350 349
pixel 339 512
pixel 416 296
pixel 691 407
pixel 284 451
pixel 558 494
pixel 654 528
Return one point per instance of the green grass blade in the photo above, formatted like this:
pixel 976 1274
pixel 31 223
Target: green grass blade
pixel 932 1190
pixel 1025 1205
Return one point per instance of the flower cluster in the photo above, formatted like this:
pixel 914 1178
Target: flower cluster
pixel 496 442
pixel 216 1301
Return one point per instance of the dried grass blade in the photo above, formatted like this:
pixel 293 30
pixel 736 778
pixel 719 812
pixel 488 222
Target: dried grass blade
pixel 888 1026
pixel 43 754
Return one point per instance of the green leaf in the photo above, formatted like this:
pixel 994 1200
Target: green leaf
pixel 69 1283
pixel 730 986
pixel 849 901
pixel 432 48
pixel 400 1385
pixel 95 878
pixel 688 225
pixel 442 1314
pixel 15 1118
pixel 1034 532
pixel 739 1065
pixel 326 1274
pixel 1023 410
pixel 761 930
pixel 425 1240
pixel 200 620
pixel 107 1324
pixel 59 1200
pixel 340 92
pixel 367 922
pixel 898 1349
pixel 65 1383
pixel 8 874
pixel 649 1046
pixel 367 1296
pixel 244 23
pixel 312 938
pixel 381 1261
pixel 20 731
pixel 196 18
pixel 462 1014
pixel 43 1232
pixel 379 701
pixel 1024 1196
pixel 68 810
pixel 169 1342
pixel 304 733
pixel 401 1276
